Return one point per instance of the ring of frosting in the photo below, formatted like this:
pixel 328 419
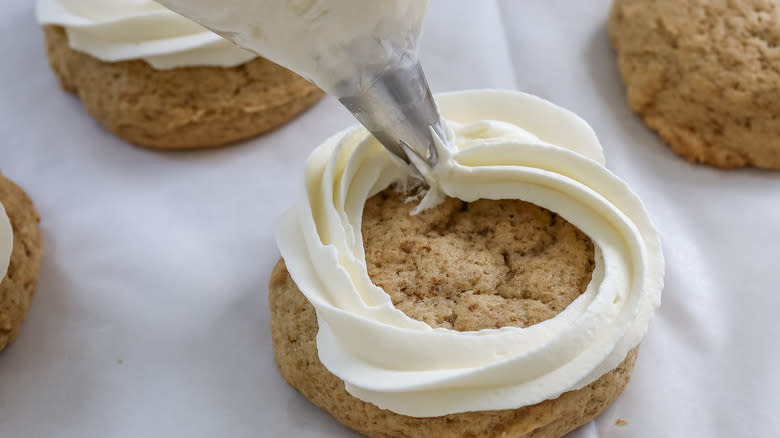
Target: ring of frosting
pixel 528 149
pixel 120 30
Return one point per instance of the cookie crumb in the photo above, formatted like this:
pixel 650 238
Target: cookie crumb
pixel 621 422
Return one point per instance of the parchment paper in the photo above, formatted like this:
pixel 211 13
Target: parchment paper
pixel 151 318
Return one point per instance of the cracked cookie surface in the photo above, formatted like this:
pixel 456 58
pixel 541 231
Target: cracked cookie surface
pixel 704 75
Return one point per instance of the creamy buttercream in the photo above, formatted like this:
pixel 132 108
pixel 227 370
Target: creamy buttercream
pixel 506 145
pixel 6 241
pixel 120 30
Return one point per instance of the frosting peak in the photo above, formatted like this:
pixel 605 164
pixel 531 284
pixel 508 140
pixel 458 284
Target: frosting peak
pixel 120 30
pixel 507 145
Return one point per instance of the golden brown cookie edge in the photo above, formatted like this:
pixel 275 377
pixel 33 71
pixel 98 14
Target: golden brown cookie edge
pixel 18 287
pixel 294 328
pixel 208 127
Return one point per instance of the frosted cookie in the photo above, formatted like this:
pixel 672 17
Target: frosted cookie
pixel 704 75
pixel 506 299
pixel 463 266
pixel 156 79
pixel 20 258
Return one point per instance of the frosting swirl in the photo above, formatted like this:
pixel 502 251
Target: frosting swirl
pixel 528 149
pixel 6 242
pixel 120 30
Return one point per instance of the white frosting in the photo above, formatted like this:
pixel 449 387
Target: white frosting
pixel 6 241
pixel 338 44
pixel 120 30
pixel 530 150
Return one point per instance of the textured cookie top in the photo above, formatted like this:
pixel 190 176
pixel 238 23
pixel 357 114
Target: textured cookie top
pixel 472 266
pixel 704 74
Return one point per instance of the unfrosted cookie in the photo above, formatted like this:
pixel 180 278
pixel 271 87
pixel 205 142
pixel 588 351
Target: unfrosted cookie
pixel 18 286
pixel 185 107
pixel 705 75
pixel 464 266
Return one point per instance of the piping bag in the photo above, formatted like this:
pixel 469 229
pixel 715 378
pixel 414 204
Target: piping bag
pixel 364 52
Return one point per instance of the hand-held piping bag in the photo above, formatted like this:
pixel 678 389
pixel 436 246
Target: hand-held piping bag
pixel 508 145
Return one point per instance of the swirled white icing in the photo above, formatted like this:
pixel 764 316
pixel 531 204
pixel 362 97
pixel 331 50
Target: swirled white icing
pixel 6 241
pixel 120 30
pixel 527 149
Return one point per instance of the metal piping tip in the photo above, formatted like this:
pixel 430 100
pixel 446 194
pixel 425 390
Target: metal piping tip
pixel 398 109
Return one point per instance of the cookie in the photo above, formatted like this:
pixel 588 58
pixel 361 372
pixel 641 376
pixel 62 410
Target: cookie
pixel 704 75
pixel 18 286
pixel 187 107
pixel 462 266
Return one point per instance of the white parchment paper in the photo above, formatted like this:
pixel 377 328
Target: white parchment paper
pixel 151 318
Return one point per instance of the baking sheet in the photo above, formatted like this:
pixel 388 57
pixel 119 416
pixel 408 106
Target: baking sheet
pixel 151 319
